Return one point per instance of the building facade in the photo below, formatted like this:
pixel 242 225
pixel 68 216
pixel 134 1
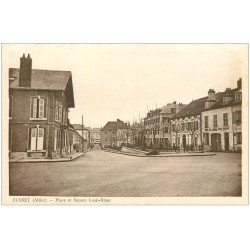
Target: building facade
pixel 157 124
pixel 114 134
pixel 39 102
pixel 186 125
pixel 222 122
pixel 95 135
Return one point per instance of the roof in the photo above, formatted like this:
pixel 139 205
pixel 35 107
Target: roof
pixel 197 106
pixel 95 130
pixel 78 135
pixel 46 80
pixel 193 108
pixel 114 126
pixel 79 127
pixel 219 103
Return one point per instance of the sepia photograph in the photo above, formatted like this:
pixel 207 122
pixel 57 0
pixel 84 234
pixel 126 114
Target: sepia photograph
pixel 125 124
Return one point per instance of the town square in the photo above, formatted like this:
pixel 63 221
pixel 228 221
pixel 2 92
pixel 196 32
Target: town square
pixel 68 138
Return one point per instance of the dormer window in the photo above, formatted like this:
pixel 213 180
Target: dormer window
pixel 238 97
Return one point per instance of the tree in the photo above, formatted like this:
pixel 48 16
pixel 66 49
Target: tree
pixel 192 129
pixel 176 128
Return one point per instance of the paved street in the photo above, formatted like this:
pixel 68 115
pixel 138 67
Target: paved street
pixel 100 173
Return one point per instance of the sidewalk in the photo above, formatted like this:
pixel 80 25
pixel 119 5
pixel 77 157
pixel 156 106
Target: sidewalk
pixel 162 155
pixel 30 160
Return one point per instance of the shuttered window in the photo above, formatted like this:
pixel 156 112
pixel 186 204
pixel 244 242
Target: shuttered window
pixel 37 139
pixel 38 108
pixel 60 114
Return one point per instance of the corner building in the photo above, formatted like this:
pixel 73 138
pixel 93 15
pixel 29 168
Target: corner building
pixel 39 102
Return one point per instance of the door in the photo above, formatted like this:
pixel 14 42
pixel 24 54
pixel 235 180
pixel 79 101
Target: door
pixel 184 143
pixel 215 142
pixel 226 136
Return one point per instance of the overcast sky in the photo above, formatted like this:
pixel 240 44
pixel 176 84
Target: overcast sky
pixel 120 81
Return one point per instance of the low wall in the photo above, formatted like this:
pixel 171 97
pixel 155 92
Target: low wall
pixel 132 150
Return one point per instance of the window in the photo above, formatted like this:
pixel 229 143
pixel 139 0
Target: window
pixel 238 138
pixel 183 126
pixel 225 119
pixel 37 139
pixel 173 110
pixel 60 113
pixel 165 119
pixel 173 127
pixel 238 97
pixel 166 130
pixel 189 125
pixel 196 125
pixel 206 121
pixel 56 111
pixel 66 116
pixel 237 117
pixel 38 108
pixel 215 121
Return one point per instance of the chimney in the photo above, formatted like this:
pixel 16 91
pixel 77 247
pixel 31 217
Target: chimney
pixel 211 95
pixel 239 83
pixel 25 71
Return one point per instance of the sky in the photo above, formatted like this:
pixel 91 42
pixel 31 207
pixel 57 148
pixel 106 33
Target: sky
pixel 124 81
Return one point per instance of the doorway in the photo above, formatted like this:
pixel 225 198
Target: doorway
pixel 184 143
pixel 226 136
pixel 216 142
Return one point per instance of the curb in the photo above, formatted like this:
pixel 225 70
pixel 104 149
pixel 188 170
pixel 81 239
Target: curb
pixel 51 160
pixel 169 155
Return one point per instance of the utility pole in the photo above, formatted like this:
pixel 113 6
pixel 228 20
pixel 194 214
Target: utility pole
pixel 82 133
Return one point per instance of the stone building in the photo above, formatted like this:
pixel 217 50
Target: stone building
pixel 95 135
pixel 115 133
pixel 186 125
pixel 222 121
pixel 157 124
pixel 39 102
pixel 212 122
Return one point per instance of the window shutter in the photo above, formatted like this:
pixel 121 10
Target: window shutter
pixel 40 139
pixel 33 139
pixel 34 108
pixel 41 108
pixel 55 141
pixel 60 113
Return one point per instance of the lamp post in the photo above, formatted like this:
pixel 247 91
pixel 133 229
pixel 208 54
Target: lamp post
pixel 179 142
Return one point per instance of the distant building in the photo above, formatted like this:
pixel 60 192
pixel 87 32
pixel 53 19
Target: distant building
pixel 114 134
pixel 39 101
pixel 186 124
pixel 157 124
pixel 222 121
pixel 84 139
pixel 95 135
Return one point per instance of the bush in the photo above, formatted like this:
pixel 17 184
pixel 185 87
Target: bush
pixel 153 152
